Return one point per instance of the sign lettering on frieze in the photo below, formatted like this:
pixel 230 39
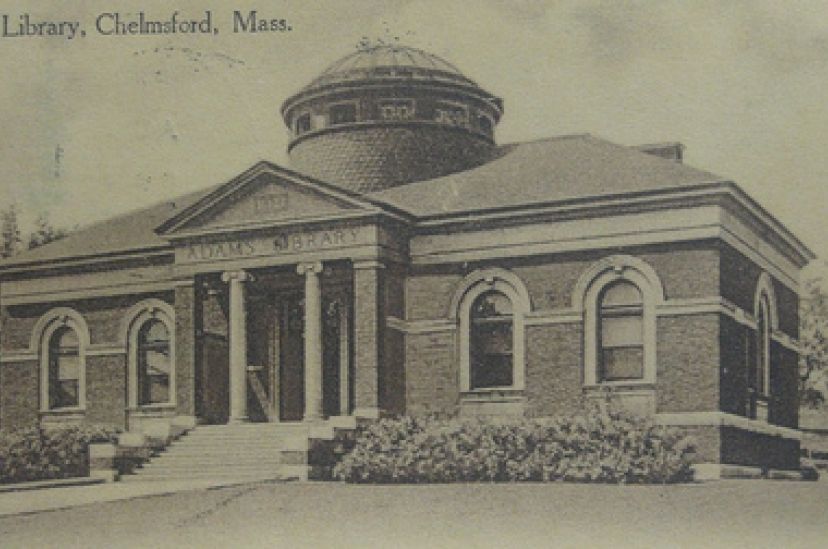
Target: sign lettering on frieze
pixel 288 242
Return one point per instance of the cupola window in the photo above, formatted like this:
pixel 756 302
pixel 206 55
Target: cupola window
pixel 396 109
pixel 343 113
pixel 485 124
pixel 303 123
pixel 451 114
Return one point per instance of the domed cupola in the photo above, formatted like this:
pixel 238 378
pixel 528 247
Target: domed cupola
pixel 388 115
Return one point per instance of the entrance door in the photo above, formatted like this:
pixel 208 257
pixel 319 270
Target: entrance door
pixel 291 356
pixel 290 350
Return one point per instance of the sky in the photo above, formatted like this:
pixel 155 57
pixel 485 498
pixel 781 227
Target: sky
pixel 99 125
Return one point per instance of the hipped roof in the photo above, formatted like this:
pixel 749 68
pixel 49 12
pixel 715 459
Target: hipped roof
pixel 524 174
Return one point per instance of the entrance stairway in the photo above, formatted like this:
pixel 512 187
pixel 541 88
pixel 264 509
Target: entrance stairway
pixel 235 452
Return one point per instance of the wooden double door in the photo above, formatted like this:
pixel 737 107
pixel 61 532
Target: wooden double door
pixel 276 353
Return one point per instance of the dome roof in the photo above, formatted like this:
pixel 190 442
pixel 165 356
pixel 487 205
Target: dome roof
pixel 390 61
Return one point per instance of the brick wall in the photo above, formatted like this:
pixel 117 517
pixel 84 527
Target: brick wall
pixel 736 343
pixel 787 303
pixel 784 386
pixel 19 398
pixel 739 277
pixel 106 375
pixel 393 364
pixel 103 316
pixel 553 368
pixel 106 385
pixel 211 392
pixel 687 379
pixel 378 157
pixel 688 346
pixel 686 271
pixel 432 378
pixel 18 325
pixel 368 296
pixel 187 325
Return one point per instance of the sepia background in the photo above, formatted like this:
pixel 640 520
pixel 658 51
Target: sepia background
pixel 96 126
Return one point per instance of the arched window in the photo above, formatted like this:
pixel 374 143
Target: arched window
pixel 618 296
pixel 762 383
pixel 491 341
pixel 148 330
pixel 621 333
pixel 759 376
pixel 64 369
pixel 154 361
pixel 61 337
pixel 490 306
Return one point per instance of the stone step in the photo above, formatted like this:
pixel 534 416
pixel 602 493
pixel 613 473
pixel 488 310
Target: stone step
pixel 231 444
pixel 236 439
pixel 257 450
pixel 254 451
pixel 184 472
pixel 252 427
pixel 206 467
pixel 195 449
pixel 230 476
pixel 277 472
pixel 210 460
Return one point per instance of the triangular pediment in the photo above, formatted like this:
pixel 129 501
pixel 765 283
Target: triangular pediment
pixel 263 196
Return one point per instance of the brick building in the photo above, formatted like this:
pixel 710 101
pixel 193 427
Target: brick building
pixel 406 263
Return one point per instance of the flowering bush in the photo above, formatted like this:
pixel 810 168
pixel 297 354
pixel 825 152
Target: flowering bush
pixel 596 446
pixel 35 453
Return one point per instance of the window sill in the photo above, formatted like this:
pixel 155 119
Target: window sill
pixel 152 408
pixel 632 384
pixel 495 394
pixel 59 412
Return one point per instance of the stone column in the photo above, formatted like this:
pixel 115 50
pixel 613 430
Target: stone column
pixel 367 337
pixel 313 340
pixel 238 345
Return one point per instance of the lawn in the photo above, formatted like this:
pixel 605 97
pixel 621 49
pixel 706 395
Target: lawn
pixel 720 514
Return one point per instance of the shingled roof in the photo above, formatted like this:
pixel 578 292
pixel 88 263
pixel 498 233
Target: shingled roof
pixel 132 231
pixel 544 171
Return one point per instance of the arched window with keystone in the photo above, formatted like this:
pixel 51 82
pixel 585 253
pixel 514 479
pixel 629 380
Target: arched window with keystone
pixel 760 370
pixel 618 296
pixel 490 306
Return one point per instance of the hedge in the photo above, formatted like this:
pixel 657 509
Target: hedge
pixel 594 446
pixel 36 454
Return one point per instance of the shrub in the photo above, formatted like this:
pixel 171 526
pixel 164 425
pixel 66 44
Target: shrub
pixel 598 445
pixel 35 453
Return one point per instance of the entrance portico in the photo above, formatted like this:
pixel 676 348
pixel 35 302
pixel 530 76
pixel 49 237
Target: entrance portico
pixel 294 326
pixel 278 303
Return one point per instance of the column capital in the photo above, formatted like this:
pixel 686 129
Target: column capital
pixel 240 276
pixel 368 264
pixel 314 267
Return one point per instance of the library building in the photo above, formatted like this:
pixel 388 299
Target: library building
pixel 405 262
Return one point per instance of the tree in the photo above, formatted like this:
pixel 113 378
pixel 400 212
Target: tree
pixel 813 336
pixel 45 232
pixel 10 242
